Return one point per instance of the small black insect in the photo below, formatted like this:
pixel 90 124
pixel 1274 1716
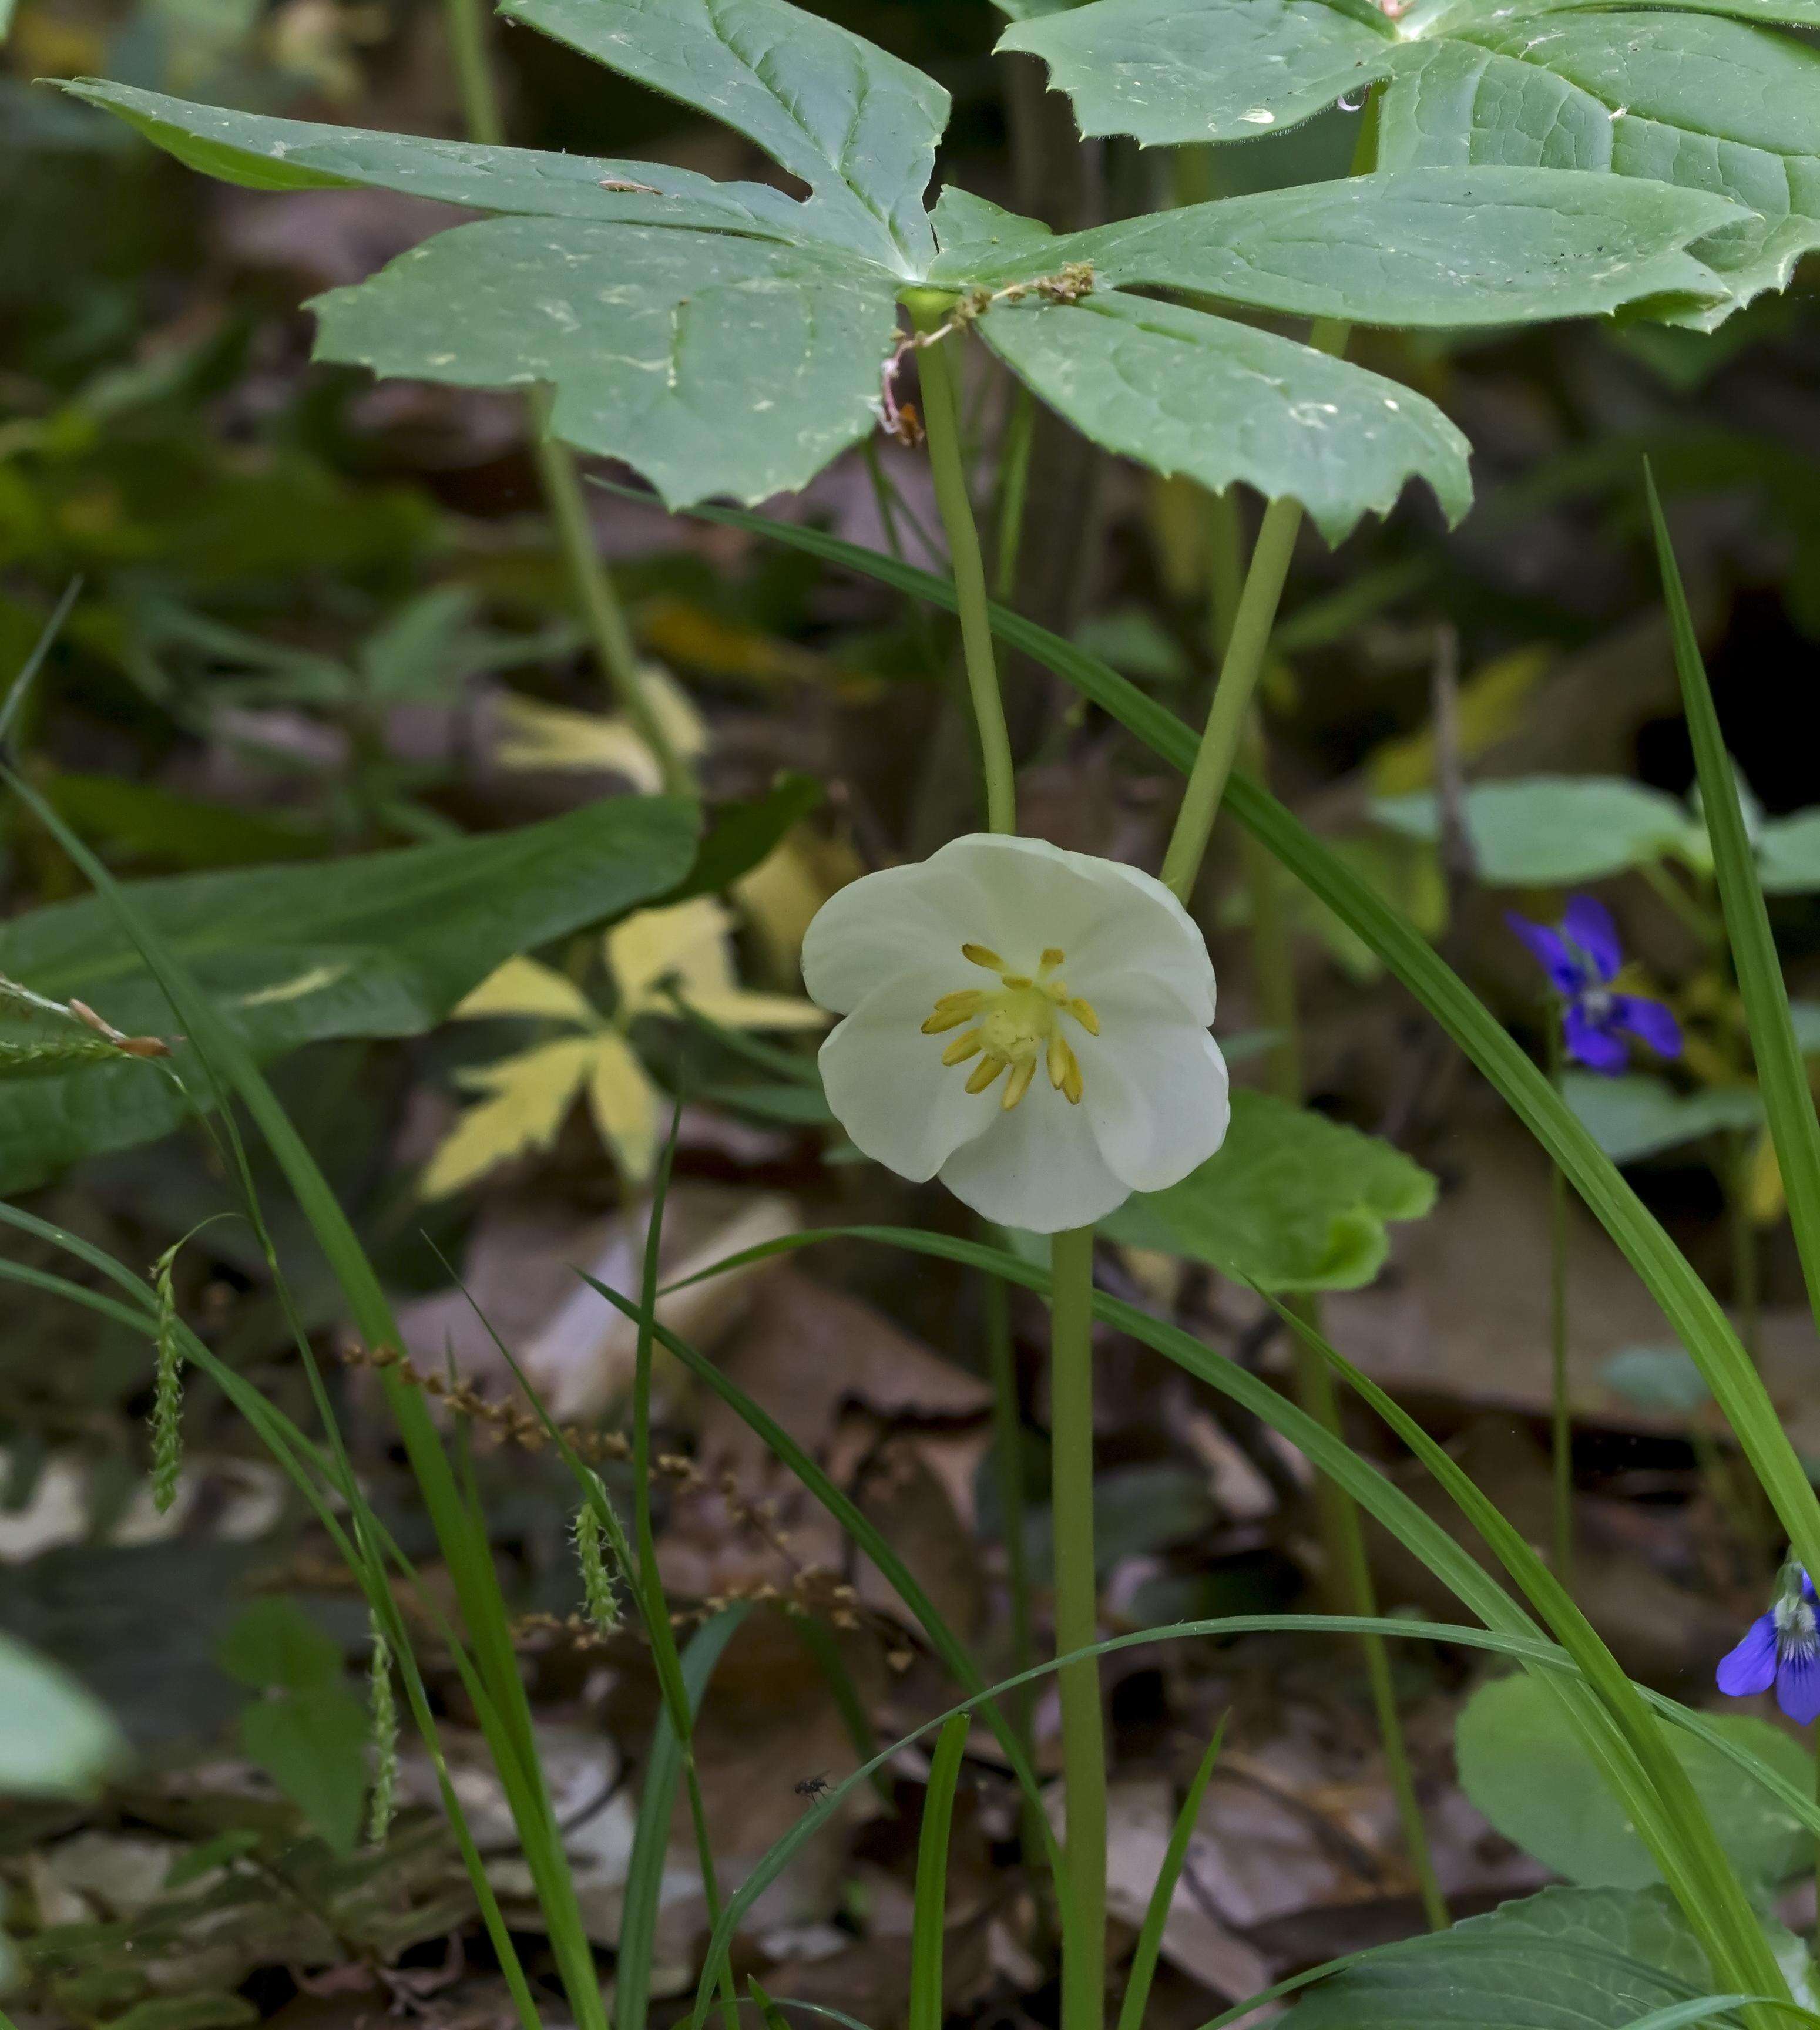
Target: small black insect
pixel 812 1786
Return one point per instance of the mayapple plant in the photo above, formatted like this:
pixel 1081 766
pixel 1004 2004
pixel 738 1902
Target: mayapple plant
pixel 725 338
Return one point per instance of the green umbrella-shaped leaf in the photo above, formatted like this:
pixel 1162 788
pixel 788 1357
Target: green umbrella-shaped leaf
pixel 1222 401
pixel 711 364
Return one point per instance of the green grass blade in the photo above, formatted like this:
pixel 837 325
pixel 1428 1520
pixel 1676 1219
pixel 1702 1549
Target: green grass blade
pixel 20 688
pixel 942 1638
pixel 818 1639
pixel 1708 2007
pixel 651 1836
pixel 1150 1939
pixel 928 1920
pixel 1782 1071
pixel 1690 1307
pixel 506 1715
pixel 1681 1837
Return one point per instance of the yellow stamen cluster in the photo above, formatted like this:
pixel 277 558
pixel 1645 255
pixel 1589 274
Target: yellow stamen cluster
pixel 1015 1028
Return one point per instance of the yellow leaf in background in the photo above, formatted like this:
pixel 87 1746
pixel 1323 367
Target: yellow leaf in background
pixel 780 896
pixel 527 1099
pixel 522 987
pixel 689 947
pixel 1763 1194
pixel 534 735
pixel 1491 705
pixel 682 633
pixel 740 1010
pixel 687 943
pixel 626 1107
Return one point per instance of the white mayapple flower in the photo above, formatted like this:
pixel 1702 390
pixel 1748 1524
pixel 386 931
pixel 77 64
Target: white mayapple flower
pixel 1077 994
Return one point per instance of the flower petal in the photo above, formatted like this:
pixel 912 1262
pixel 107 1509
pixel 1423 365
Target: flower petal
pixel 1589 1043
pixel 1038 1167
pixel 1546 947
pixel 1155 1088
pixel 885 925
pixel 887 1086
pixel 1648 1019
pixel 1798 1687
pixel 1752 1667
pixel 1586 924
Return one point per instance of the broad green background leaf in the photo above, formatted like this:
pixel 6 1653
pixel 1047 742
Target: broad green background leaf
pixel 1788 854
pixel 1568 1959
pixel 1544 831
pixel 1634 1115
pixel 1449 246
pixel 263 153
pixel 1291 1200
pixel 377 944
pixel 1222 401
pixel 858 126
pixel 57 1740
pixel 1683 94
pixel 313 1746
pixel 1522 1766
pixel 275 1646
pixel 711 364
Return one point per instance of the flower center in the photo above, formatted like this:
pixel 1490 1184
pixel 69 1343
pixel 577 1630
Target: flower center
pixel 1015 1028
pixel 1797 1633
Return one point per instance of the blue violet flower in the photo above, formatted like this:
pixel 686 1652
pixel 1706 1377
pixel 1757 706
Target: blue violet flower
pixel 1782 1648
pixel 1581 956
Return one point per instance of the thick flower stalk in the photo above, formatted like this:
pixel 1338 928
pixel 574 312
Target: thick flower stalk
pixel 1582 957
pixel 1029 1024
pixel 1780 1649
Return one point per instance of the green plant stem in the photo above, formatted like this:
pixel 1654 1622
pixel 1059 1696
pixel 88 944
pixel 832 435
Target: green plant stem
pixel 1560 1409
pixel 604 617
pixel 1348 1571
pixel 557 476
pixel 1076 1627
pixel 1245 649
pixel 1008 1457
pixel 1014 491
pixel 1746 1268
pixel 941 420
pixel 1240 669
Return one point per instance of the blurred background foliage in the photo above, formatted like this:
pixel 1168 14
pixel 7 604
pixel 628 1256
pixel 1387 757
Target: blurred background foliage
pixel 320 617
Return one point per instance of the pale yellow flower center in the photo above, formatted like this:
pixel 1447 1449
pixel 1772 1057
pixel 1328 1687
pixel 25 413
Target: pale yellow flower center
pixel 1015 1028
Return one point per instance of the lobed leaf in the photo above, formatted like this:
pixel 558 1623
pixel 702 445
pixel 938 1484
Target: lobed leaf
pixel 261 152
pixel 711 364
pixel 1449 246
pixel 1704 95
pixel 857 125
pixel 1220 401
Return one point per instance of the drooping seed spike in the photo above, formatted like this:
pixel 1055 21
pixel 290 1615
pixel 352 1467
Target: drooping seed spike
pixel 963 1048
pixel 592 1554
pixel 985 1072
pixel 1019 1083
pixel 983 955
pixel 167 1390
pixel 382 1729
